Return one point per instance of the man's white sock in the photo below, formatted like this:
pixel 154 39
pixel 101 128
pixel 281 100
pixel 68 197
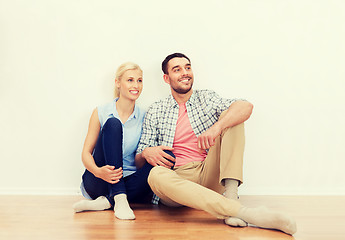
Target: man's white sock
pixel 262 217
pixel 99 204
pixel 231 188
pixel 122 210
pixel 231 192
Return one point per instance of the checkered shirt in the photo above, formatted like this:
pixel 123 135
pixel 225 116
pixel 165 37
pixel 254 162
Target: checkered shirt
pixel 203 109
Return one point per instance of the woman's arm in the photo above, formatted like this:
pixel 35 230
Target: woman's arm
pixel 90 142
pixel 139 161
pixel 107 173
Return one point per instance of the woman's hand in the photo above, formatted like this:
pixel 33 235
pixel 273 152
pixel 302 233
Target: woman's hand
pixel 109 174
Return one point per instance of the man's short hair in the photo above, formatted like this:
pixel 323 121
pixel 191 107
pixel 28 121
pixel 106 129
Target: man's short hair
pixel 169 57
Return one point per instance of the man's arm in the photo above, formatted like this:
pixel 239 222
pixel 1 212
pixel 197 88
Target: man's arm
pixel 148 148
pixel 157 157
pixel 154 156
pixel 237 113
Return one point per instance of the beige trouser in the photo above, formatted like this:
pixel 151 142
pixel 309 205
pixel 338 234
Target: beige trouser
pixel 200 184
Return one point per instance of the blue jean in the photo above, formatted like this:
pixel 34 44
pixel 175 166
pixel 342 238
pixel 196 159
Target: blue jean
pixel 108 151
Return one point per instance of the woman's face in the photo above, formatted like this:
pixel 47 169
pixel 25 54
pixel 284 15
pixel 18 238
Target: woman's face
pixel 131 84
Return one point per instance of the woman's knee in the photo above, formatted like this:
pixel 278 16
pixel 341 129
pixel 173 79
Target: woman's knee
pixel 171 154
pixel 113 125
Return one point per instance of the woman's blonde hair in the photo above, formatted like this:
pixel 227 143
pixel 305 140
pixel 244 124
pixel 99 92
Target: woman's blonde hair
pixel 121 70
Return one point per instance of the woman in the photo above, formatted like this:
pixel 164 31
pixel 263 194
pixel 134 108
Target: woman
pixel 114 175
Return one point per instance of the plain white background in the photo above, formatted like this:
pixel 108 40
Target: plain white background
pixel 58 60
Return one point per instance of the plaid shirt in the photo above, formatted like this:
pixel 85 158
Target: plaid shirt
pixel 203 109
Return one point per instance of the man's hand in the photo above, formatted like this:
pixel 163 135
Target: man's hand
pixel 109 174
pixel 207 139
pixel 157 157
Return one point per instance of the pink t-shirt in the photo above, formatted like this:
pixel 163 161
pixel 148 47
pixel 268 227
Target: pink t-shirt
pixel 185 141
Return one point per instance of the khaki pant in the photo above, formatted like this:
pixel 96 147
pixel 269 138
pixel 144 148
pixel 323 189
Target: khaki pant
pixel 200 184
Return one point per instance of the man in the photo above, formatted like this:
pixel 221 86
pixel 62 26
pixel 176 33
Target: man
pixel 206 135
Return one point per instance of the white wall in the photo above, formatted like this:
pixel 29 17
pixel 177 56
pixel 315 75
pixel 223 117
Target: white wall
pixel 58 58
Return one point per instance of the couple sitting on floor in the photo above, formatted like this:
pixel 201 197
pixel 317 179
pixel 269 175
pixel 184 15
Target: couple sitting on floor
pixel 187 148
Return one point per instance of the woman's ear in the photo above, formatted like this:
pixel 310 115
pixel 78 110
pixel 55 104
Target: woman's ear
pixel 117 83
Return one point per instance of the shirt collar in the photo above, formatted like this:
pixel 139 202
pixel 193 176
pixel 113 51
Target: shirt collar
pixel 133 115
pixel 172 101
pixel 190 101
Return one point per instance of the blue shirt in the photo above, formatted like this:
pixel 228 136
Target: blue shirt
pixel 131 132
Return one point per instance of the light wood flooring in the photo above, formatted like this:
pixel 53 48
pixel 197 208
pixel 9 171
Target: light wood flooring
pixel 51 217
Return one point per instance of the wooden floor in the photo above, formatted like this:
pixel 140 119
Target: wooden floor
pixel 51 217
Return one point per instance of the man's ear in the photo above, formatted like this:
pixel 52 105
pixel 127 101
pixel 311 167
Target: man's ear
pixel 166 78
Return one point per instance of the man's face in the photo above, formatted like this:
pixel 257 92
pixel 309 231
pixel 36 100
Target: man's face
pixel 180 75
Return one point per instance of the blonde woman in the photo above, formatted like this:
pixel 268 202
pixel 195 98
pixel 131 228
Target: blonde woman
pixel 113 175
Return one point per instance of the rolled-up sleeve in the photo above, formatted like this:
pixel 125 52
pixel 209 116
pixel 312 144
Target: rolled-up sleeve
pixel 149 131
pixel 218 103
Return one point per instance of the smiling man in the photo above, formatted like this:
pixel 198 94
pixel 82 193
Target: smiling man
pixel 195 141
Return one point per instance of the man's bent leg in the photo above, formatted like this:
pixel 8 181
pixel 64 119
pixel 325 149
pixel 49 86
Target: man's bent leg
pixel 224 166
pixel 224 159
pixel 231 154
pixel 172 188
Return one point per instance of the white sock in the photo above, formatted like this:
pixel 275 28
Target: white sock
pixel 231 192
pixel 265 218
pixel 231 188
pixel 101 203
pixel 122 210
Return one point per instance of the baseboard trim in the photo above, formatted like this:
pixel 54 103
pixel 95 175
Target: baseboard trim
pixel 68 191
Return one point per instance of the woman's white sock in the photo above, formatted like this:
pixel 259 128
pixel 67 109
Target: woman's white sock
pixel 122 210
pixel 99 204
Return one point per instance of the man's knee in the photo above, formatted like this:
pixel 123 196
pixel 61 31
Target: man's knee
pixel 159 181
pixel 239 126
pixel 155 175
pixel 237 129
